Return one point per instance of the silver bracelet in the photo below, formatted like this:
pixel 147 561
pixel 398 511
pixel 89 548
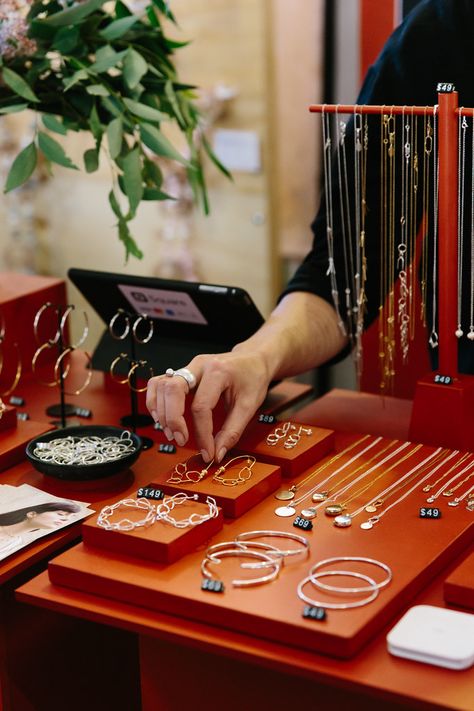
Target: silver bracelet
pixel 125 524
pixel 344 559
pixel 250 535
pixel 265 560
pixel 338 605
pixel 163 510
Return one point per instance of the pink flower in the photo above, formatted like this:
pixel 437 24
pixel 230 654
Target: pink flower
pixel 14 41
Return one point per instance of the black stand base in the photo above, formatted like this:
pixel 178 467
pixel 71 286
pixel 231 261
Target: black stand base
pixel 58 410
pixel 136 420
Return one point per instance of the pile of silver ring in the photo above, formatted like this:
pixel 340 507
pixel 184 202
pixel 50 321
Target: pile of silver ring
pixel 84 451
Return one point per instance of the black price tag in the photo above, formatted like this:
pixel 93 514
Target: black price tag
pixel 267 419
pixel 428 512
pixel 150 492
pixel 22 416
pixel 310 612
pixel 443 379
pixel 83 412
pixel 157 426
pixel 16 401
pixel 167 448
pixel 445 87
pixel 303 523
pixel 216 586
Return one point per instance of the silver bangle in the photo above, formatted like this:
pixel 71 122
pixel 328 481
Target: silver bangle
pixel 244 583
pixel 185 373
pixel 249 535
pixel 343 559
pixel 338 605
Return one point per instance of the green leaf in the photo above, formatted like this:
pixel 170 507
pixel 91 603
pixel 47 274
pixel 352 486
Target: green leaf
pixel 164 7
pixel 132 178
pixel 134 68
pixel 18 85
pixel 159 144
pixel 155 194
pixel 117 28
pixel 152 173
pixel 91 160
pixel 152 18
pixel 73 15
pixel 121 10
pixel 114 204
pixel 22 167
pixel 106 58
pixel 214 158
pixel 115 136
pixel 13 108
pixel 52 124
pixel 97 90
pixel 131 247
pixel 54 151
pixel 75 78
pixel 66 39
pixel 95 124
pixel 171 96
pixel 112 105
pixel 144 111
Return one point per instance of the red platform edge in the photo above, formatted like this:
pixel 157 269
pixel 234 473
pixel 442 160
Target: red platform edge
pixel 458 588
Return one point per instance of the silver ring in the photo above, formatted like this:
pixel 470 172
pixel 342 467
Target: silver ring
pixel 189 377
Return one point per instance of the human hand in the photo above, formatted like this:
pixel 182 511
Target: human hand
pixel 240 377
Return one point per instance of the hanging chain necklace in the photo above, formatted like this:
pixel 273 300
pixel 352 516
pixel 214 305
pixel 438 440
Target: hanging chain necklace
pixel 470 335
pixel 462 126
pixel 433 339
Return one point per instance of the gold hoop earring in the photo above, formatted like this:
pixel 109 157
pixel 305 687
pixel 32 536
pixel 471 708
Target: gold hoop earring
pixel 114 319
pixel 148 337
pixel 17 376
pixel 57 374
pixel 64 318
pixel 115 362
pixel 135 366
pixel 34 363
pixel 39 314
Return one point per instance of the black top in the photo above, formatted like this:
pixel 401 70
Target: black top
pixel 432 45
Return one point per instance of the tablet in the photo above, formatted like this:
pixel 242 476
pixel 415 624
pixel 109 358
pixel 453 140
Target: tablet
pixel 188 317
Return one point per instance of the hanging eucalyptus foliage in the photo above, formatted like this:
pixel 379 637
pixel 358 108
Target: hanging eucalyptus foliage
pixel 100 67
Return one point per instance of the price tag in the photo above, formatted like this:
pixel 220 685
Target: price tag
pixel 428 512
pixel 167 448
pixel 443 379
pixel 445 87
pixel 311 612
pixel 22 416
pixel 216 586
pixel 150 492
pixel 267 419
pixel 16 401
pixel 303 523
pixel 83 412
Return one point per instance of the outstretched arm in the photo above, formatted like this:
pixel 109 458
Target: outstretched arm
pixel 301 333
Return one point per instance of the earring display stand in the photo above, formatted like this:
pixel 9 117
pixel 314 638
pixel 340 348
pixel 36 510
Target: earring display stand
pixel 160 542
pixel 443 406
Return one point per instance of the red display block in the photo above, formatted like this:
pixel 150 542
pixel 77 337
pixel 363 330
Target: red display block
pixel 234 500
pixel 21 295
pixel 13 441
pixel 8 419
pixel 459 586
pixel 161 542
pixel 443 413
pixel 309 450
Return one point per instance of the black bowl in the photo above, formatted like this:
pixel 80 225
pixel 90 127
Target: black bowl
pixel 83 472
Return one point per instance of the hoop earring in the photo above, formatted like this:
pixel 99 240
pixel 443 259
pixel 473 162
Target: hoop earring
pixel 64 319
pixel 39 313
pixel 148 337
pixel 115 317
pixel 34 362
pixel 135 366
pixel 115 362
pixel 66 352
pixel 17 376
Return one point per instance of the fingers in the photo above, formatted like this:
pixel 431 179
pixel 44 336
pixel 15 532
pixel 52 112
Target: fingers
pixel 165 400
pixel 211 387
pixel 232 429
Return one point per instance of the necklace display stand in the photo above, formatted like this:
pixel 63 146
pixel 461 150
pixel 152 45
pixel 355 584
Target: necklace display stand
pixel 443 406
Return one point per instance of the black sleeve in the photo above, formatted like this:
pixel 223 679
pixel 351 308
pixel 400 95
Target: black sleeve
pixel 430 46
